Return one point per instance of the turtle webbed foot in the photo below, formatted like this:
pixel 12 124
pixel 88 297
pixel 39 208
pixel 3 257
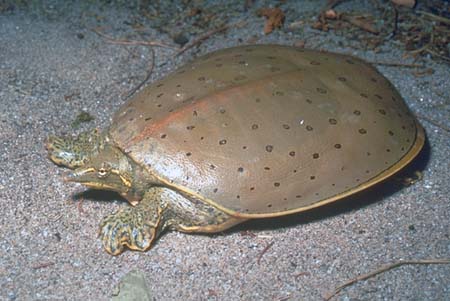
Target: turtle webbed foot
pixel 128 227
pixel 73 152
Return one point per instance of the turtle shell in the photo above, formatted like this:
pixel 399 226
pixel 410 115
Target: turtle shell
pixel 267 130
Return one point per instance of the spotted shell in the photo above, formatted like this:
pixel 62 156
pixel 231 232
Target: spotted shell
pixel 267 130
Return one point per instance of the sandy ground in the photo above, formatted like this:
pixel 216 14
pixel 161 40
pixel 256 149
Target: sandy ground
pixel 52 68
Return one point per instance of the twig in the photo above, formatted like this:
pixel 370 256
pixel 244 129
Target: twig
pixel 362 24
pixel 433 122
pixel 266 248
pixel 147 77
pixel 208 35
pixel 435 17
pixel 397 64
pixel 80 206
pixel 432 52
pixel 131 42
pixel 385 269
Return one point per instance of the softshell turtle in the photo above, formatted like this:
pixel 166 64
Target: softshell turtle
pixel 241 133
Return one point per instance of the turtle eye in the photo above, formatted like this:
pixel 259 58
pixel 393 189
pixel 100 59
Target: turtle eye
pixel 102 172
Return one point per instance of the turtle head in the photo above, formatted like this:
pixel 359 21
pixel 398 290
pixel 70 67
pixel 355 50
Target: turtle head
pixel 109 169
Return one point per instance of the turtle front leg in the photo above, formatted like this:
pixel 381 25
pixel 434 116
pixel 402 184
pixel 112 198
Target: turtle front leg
pixel 74 152
pixel 134 227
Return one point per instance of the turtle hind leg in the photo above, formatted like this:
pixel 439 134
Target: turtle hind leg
pixel 196 216
pixel 73 152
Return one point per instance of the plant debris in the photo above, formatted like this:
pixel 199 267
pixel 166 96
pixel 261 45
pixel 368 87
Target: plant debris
pixel 423 28
pixel 82 117
pixel 385 269
pixel 275 18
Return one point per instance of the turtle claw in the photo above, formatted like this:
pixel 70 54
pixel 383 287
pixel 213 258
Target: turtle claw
pixel 126 228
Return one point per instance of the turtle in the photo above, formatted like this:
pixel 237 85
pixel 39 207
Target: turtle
pixel 247 132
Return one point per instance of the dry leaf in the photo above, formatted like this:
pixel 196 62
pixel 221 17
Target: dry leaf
pixel 274 16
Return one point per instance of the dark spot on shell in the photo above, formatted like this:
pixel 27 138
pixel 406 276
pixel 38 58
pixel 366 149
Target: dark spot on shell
pixel 255 126
pixel 269 148
pixel 159 105
pixel 258 100
pixel 269 205
pixel 309 101
pixel 190 127
pixel 201 138
pixel 298 196
pixel 163 136
pixel 267 168
pixel 194 113
pixel 252 188
pixel 178 85
pixel 294 171
pixel 242 62
pixel 222 111
pixel 321 90
pixel 367 171
pixel 364 95
pixel 240 169
pixel 315 63
pixel 148 118
pixel 382 112
pixel 362 131
pixel 378 96
pixel 201 78
pixel 215 190
pixel 212 166
pixel 368 154
pixel 337 145
pixel 160 85
pixel 278 93
pixel 244 147
pixel 356 112
pixel 342 79
pixel 315 156
pixel 188 154
pixel 286 126
pixel 238 196
pixel 292 154
pixel 312 177
pixel 223 142
pixel 391 133
pixel 332 121
pixel 159 95
pixel 388 150
pixel 276 184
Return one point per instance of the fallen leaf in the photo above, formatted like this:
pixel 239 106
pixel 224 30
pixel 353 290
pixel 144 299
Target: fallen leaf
pixel 275 18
